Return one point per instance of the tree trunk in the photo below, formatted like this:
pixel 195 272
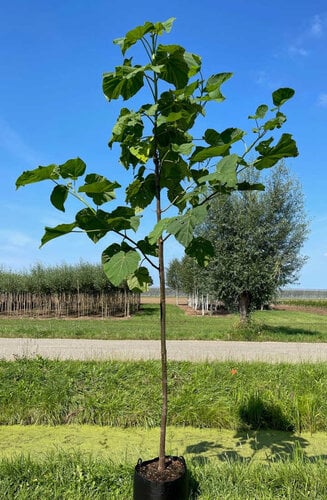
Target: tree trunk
pixel 163 426
pixel 244 301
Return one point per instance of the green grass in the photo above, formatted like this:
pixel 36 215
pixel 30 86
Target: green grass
pixel 258 396
pixel 229 454
pixel 82 477
pixel 86 462
pixel 268 326
pixel 129 444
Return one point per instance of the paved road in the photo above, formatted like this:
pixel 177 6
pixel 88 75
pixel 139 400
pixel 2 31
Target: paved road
pixel 188 350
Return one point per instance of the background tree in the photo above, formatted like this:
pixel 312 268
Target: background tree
pixel 167 170
pixel 257 236
pixel 173 277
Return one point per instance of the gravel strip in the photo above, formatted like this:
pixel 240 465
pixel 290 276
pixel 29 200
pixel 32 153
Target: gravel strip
pixel 179 350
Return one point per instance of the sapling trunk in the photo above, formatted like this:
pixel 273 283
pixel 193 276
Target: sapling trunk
pixel 163 426
pixel 163 344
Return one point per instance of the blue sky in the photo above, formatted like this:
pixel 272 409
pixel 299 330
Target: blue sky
pixel 52 57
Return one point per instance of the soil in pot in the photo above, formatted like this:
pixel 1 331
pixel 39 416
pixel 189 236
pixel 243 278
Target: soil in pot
pixel 170 484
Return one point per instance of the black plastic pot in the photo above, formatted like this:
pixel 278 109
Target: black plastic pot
pixel 145 489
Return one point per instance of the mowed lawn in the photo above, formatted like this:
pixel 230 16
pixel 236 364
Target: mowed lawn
pixel 273 325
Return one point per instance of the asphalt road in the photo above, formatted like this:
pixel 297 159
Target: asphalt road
pixel 179 350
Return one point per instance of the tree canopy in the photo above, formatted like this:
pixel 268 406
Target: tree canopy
pixel 257 237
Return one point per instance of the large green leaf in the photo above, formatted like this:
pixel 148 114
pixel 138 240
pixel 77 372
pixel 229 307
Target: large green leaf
pixel 141 192
pixel 226 172
pixel 98 223
pixel 120 266
pixel 113 249
pixel 94 223
pixel 72 169
pixel 201 249
pixel 269 156
pixel 193 62
pixel 129 126
pixel 183 149
pixel 183 226
pixel 228 136
pixel 125 82
pixel 99 188
pixel 59 196
pixel 202 154
pixel 143 151
pixel 51 172
pixel 123 218
pixel 140 280
pixel 158 229
pixel 220 144
pixel 128 132
pixel 148 248
pixel 174 69
pixel 212 90
pixel 169 134
pixel 282 95
pixel 179 111
pixel 55 232
pixel 139 32
pixel 260 113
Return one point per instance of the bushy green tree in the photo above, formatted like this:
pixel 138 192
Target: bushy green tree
pixel 168 171
pixel 257 236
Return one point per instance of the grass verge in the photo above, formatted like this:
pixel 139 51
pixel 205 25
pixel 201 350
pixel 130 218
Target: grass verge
pixel 289 397
pixel 82 477
pixel 268 326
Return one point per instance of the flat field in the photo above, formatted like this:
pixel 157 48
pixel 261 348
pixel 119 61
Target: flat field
pixel 283 324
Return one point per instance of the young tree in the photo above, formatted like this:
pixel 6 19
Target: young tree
pixel 173 277
pixel 166 167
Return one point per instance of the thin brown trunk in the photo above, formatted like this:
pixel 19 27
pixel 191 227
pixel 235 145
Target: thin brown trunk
pixel 163 344
pixel 163 426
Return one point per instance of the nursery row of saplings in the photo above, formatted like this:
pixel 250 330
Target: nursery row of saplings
pixel 83 277
pixel 66 290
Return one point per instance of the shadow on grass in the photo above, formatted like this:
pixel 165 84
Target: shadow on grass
pixel 264 430
pixel 288 330
pixel 146 310
pixel 256 413
pixel 194 486
pixel 273 446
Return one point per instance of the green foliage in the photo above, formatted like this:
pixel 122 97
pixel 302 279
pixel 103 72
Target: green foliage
pixel 156 138
pixel 83 277
pixel 257 237
pixel 156 143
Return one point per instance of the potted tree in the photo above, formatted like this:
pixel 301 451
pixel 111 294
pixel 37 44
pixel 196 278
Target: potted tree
pixel 168 173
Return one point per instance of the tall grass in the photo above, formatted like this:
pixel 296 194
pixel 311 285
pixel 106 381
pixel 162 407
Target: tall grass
pixel 221 395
